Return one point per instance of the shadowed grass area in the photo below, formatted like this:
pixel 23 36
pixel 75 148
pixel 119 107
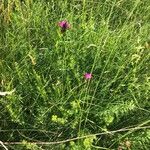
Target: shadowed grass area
pixel 52 99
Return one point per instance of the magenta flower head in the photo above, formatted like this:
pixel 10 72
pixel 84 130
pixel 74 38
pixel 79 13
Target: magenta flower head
pixel 87 76
pixel 64 25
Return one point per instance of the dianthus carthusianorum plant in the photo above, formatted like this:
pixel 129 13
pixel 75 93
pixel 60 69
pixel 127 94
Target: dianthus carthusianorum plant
pixel 75 74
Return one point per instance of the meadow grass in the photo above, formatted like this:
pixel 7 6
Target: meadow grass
pixel 54 106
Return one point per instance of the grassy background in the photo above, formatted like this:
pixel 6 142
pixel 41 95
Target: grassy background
pixel 52 101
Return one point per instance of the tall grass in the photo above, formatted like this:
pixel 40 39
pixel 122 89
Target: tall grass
pixel 52 101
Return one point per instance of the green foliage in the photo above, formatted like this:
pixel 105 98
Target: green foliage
pixel 52 101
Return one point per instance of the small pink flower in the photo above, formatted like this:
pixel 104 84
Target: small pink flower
pixel 87 75
pixel 64 25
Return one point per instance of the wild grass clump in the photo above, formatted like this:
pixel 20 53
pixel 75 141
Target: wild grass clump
pixel 79 74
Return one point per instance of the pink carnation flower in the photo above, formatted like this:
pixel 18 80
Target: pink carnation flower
pixel 87 75
pixel 64 25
